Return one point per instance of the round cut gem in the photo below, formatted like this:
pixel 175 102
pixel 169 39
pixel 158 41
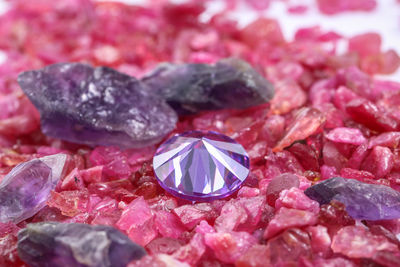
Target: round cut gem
pixel 201 166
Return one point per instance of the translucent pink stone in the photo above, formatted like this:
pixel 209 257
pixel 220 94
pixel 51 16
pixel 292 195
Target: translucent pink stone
pixel 346 135
pixel 201 166
pixel 358 242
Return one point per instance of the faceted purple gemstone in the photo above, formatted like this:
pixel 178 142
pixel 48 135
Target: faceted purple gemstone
pixel 96 106
pixel 363 201
pixel 76 244
pixel 201 166
pixel 25 190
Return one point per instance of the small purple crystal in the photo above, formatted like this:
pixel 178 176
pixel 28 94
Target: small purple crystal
pixel 96 106
pixel 201 166
pixel 363 201
pixel 74 244
pixel 25 190
pixel 190 88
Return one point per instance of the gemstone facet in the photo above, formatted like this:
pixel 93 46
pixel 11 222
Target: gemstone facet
pixel 201 166
pixel 25 190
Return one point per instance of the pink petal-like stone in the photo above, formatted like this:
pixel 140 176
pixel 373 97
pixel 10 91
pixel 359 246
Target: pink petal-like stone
pixel 346 135
pixel 358 242
pixel 286 218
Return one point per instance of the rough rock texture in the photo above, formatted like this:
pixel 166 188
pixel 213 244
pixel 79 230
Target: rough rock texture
pixel 190 88
pixel 74 244
pixel 25 190
pixel 363 201
pixel 96 106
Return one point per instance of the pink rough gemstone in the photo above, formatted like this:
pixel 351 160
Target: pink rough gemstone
pixel 256 256
pixel 358 242
pixel 333 157
pixel 365 44
pixel 232 215
pixel 346 135
pixel 288 96
pixel 114 160
pixel 320 239
pixel 229 247
pixel 294 198
pixel 278 184
pixel 137 221
pixel 306 155
pixel 159 260
pixel 331 7
pixel 388 139
pixel 191 215
pixel 193 251
pixel 289 247
pixel 168 225
pixel 306 122
pixel 286 218
pixel 254 207
pixel 262 30
pixel 369 114
pixel 380 161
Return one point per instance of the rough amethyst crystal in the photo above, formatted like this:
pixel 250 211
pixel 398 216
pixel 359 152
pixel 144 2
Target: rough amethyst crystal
pixel 25 190
pixel 201 166
pixel 96 106
pixel 363 201
pixel 74 244
pixel 230 83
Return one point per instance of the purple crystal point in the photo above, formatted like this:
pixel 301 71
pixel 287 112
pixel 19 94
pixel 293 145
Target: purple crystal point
pixel 201 166
pixel 190 88
pixel 96 106
pixel 363 201
pixel 74 244
pixel 25 190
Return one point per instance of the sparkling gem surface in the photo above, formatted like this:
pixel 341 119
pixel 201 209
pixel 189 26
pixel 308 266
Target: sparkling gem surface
pixel 201 166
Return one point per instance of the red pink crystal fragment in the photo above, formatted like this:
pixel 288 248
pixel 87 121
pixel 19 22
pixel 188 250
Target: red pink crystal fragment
pixel 287 218
pixel 331 7
pixel 358 242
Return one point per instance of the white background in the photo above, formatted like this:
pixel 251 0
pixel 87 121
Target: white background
pixel 384 20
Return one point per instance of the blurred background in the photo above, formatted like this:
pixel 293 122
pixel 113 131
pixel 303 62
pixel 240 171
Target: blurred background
pixel 346 17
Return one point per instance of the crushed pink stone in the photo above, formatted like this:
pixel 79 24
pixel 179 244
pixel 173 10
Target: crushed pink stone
pixel 331 116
